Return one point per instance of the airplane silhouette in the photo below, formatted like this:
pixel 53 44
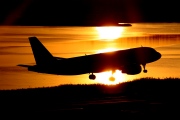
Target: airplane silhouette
pixel 128 61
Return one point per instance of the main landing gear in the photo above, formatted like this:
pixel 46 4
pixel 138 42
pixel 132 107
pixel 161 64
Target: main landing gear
pixel 92 77
pixel 112 78
pixel 144 65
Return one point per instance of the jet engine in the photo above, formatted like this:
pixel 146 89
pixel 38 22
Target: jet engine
pixel 131 69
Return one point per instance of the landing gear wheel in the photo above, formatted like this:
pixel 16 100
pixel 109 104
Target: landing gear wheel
pixel 144 65
pixel 145 71
pixel 111 78
pixel 92 77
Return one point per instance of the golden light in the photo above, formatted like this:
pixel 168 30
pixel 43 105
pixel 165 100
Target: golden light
pixel 107 50
pixel 104 77
pixel 109 33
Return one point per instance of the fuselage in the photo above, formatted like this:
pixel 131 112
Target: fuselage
pixel 128 61
pixel 106 61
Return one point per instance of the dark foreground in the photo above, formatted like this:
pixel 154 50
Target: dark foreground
pixel 146 98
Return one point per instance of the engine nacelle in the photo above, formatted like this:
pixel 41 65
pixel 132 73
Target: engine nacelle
pixel 131 69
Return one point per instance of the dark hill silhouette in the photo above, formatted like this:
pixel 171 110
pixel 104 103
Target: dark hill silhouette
pixel 152 97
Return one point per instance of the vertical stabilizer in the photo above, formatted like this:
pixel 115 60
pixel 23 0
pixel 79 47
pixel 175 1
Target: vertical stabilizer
pixel 41 55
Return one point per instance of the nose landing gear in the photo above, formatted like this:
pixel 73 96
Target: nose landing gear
pixel 144 65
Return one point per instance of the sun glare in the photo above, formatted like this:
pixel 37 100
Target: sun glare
pixel 104 77
pixel 107 50
pixel 109 33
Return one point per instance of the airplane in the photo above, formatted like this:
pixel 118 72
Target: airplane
pixel 129 61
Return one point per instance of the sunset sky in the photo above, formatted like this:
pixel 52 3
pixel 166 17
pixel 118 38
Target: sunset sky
pixel 86 12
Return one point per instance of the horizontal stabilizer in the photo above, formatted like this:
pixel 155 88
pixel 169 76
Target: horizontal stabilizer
pixel 21 65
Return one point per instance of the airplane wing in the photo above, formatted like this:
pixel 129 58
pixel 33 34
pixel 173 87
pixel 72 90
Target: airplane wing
pixel 23 65
pixel 60 58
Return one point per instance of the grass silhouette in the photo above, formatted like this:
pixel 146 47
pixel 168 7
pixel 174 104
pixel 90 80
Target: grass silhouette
pixel 135 99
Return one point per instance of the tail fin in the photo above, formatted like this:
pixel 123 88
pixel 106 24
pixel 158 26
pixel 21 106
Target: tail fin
pixel 41 55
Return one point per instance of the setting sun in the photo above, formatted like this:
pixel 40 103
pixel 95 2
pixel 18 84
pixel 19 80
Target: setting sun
pixel 107 77
pixel 109 33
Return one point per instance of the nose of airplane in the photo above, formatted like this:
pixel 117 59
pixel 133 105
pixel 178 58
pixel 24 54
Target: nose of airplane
pixel 158 55
pixel 155 56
